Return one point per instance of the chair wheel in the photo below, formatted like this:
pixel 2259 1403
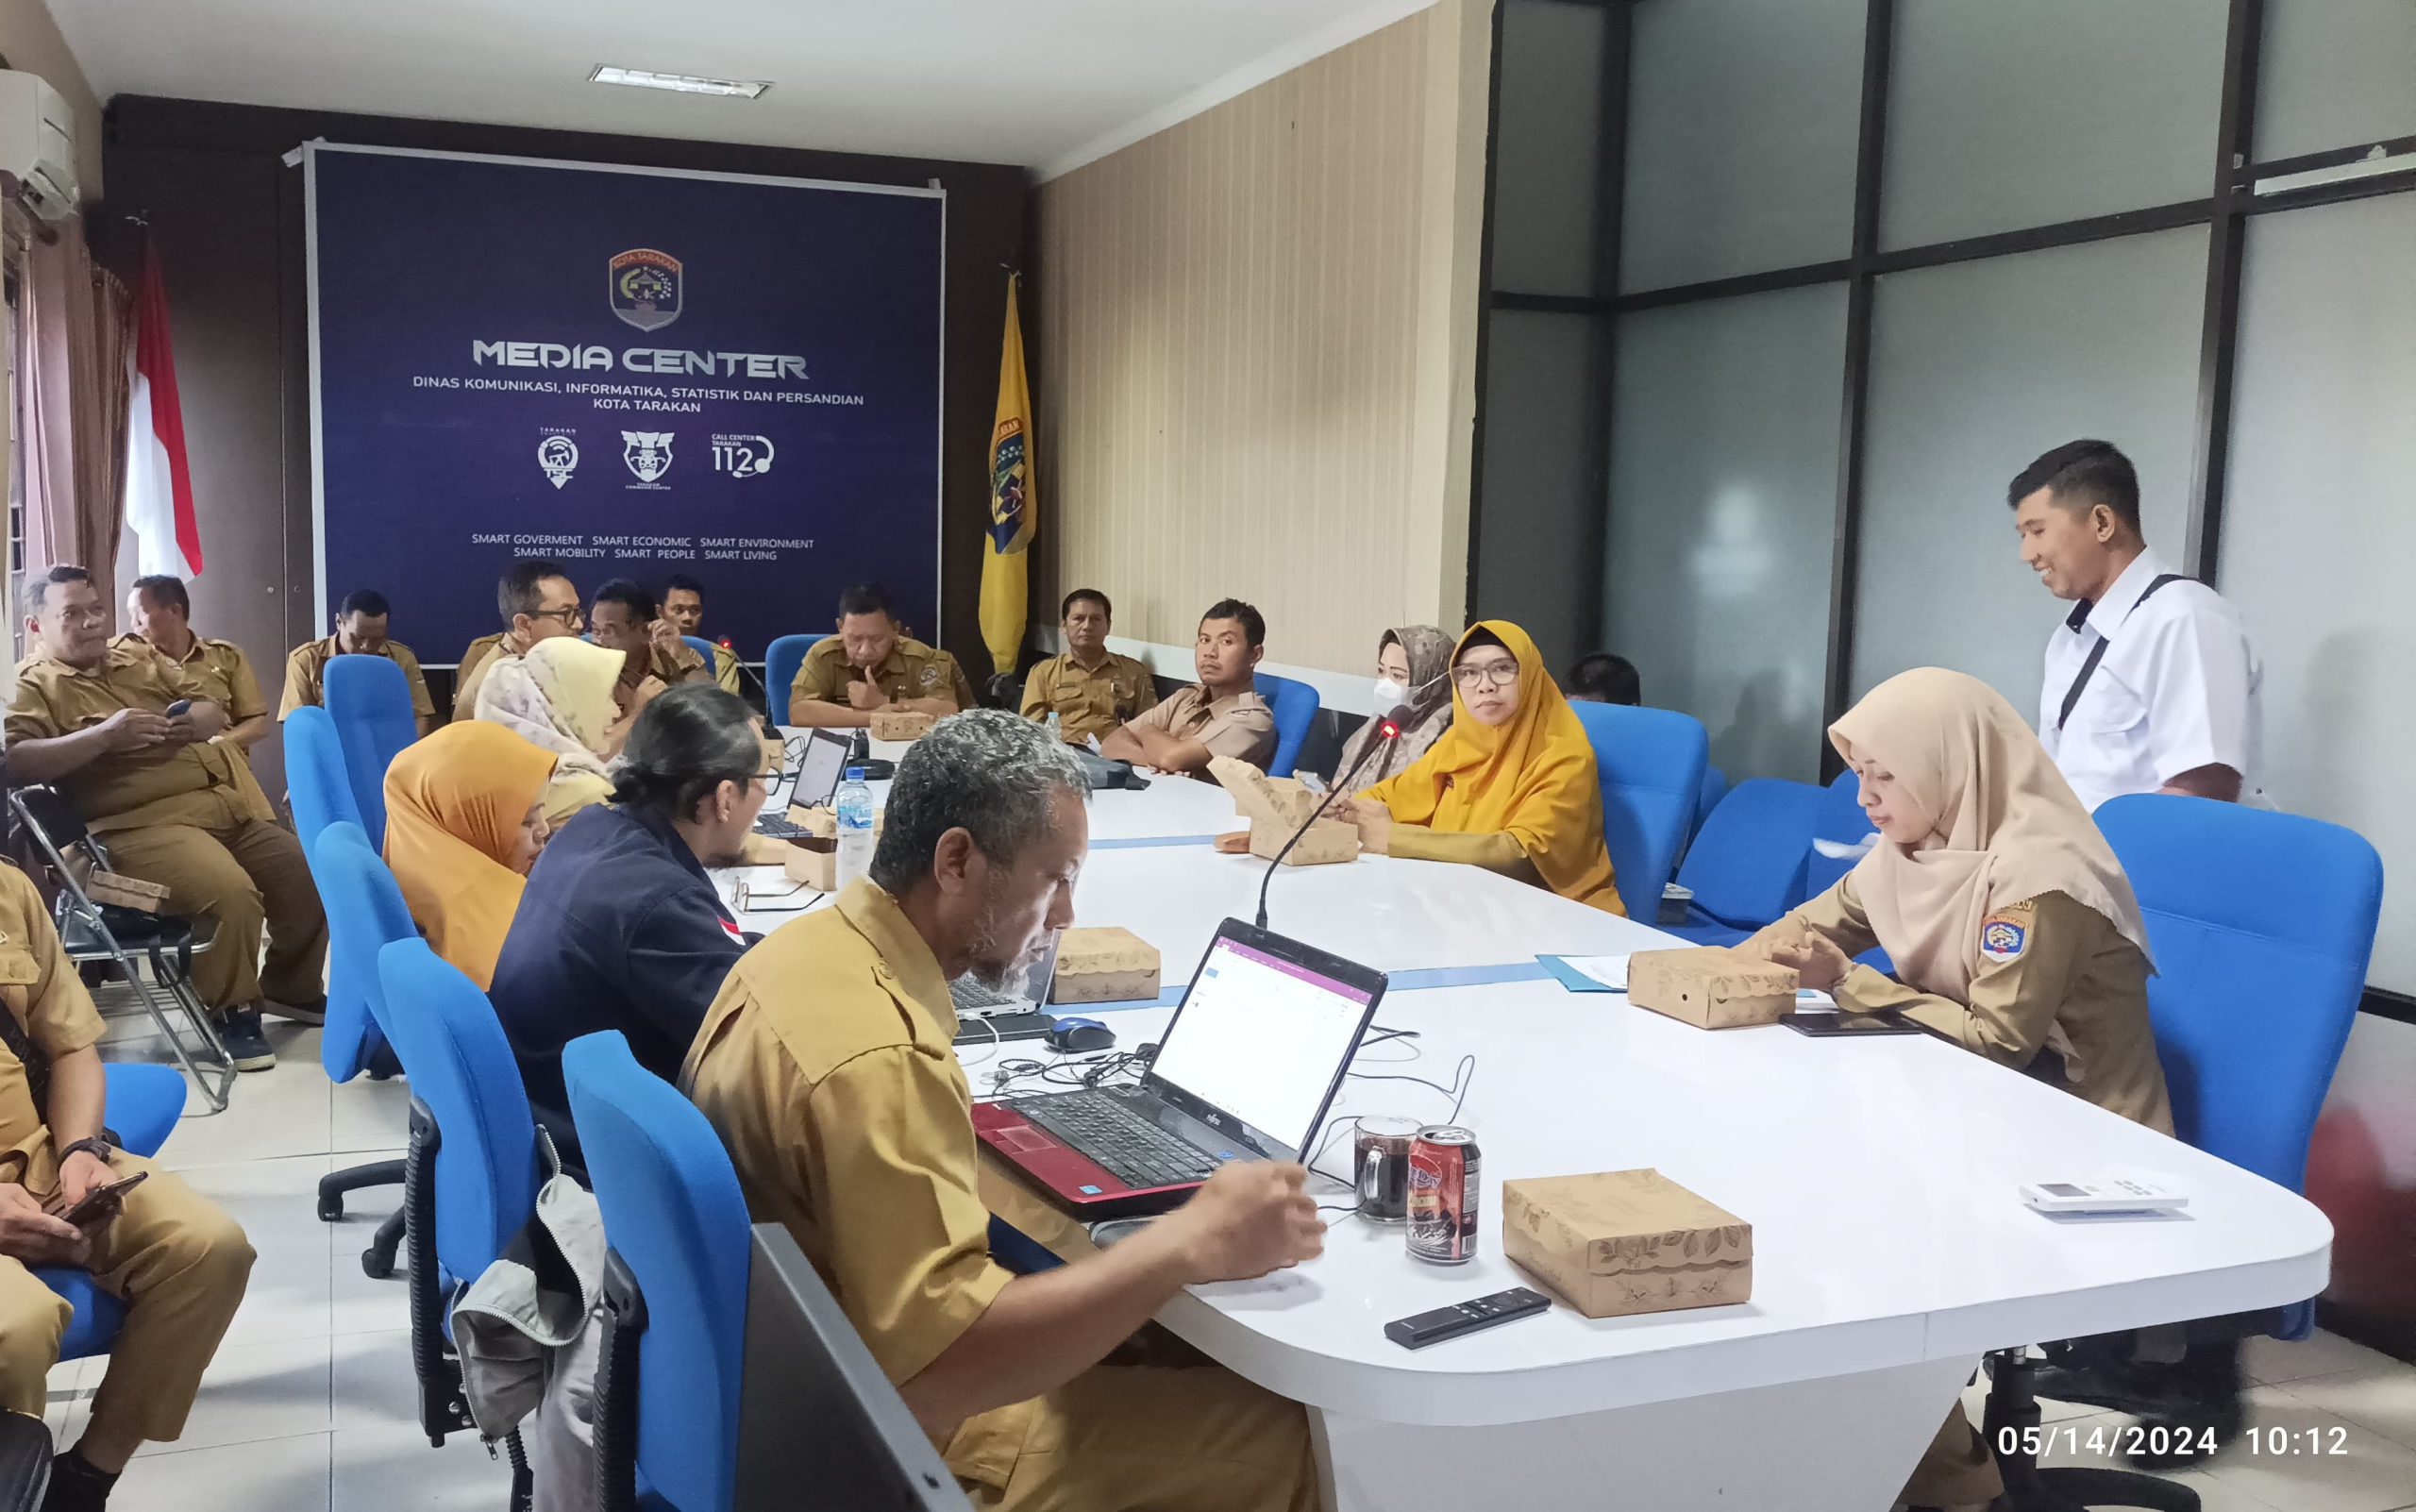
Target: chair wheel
pixel 377 1267
pixel 331 1207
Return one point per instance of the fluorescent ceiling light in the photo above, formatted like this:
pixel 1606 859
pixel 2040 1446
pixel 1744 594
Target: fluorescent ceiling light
pixel 679 83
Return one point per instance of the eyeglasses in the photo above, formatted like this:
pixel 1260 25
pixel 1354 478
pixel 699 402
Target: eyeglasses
pixel 1487 675
pixel 570 617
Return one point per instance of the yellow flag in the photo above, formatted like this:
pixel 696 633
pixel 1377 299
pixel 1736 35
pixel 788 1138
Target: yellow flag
pixel 1005 577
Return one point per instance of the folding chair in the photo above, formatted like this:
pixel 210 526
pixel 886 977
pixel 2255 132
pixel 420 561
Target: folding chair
pixel 120 936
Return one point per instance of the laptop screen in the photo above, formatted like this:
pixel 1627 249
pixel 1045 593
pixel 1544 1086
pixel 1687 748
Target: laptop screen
pixel 1263 1040
pixel 819 769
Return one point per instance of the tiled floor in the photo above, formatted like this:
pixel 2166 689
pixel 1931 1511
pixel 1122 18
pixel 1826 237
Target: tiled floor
pixel 309 1406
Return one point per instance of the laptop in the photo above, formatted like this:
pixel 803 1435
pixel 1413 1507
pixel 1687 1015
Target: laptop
pixel 818 772
pixel 984 1014
pixel 1246 1070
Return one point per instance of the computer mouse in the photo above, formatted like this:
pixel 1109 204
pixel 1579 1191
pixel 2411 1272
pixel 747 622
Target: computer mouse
pixel 1071 1036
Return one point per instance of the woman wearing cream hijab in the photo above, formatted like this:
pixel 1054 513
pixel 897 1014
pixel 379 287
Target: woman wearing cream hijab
pixel 2012 927
pixel 464 821
pixel 559 697
pixel 1510 787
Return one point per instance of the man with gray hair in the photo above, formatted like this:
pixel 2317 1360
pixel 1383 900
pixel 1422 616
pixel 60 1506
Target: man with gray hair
pixel 826 1065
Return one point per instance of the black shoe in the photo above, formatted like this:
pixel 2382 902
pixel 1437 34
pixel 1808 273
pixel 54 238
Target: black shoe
pixel 246 1043
pixel 77 1487
pixel 313 1013
pixel 2117 1386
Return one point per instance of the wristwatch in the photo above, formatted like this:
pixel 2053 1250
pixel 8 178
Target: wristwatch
pixel 98 1147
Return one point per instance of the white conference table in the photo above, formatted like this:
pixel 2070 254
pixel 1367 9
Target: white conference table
pixel 1891 1246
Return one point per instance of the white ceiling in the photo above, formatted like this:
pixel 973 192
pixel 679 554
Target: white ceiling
pixel 1044 83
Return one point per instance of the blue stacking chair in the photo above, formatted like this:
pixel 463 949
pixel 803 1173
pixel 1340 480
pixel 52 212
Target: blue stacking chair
pixel 1746 867
pixel 702 648
pixel 781 661
pixel 142 1104
pixel 1715 787
pixel 1842 822
pixel 474 1170
pixel 321 793
pixel 1296 709
pixel 1650 762
pixel 675 1285
pixel 365 913
pixel 370 701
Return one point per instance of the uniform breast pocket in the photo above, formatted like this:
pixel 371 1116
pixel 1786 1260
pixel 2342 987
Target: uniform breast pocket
pixel 17 968
pixel 2107 708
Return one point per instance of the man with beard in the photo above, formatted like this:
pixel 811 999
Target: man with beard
pixel 619 927
pixel 826 1066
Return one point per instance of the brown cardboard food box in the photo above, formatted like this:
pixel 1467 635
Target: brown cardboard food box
pixel 1275 807
pixel 767 850
pixel 1104 965
pixel 1621 1242
pixel 1710 988
pixel 824 823
pixel 812 864
pixel 776 754
pixel 901 724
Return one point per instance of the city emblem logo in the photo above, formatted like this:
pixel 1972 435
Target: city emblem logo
pixel 743 456
pixel 648 452
pixel 558 454
pixel 643 287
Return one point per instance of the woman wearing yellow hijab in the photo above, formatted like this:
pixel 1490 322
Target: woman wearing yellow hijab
pixel 558 696
pixel 464 821
pixel 1511 786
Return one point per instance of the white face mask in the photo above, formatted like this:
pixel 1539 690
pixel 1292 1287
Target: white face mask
pixel 1389 694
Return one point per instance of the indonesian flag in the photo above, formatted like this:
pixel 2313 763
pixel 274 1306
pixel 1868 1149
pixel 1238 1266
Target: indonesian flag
pixel 158 486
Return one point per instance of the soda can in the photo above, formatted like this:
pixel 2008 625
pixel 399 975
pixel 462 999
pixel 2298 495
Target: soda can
pixel 1443 1166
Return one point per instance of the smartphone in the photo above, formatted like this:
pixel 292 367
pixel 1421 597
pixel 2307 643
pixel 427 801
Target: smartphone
pixel 1839 1022
pixel 182 706
pixel 102 1201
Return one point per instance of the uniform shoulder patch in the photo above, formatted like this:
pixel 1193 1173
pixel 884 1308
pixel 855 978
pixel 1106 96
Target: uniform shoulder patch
pixel 2004 935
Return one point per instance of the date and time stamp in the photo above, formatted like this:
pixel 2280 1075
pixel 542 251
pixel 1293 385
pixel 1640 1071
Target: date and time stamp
pixel 2102 1440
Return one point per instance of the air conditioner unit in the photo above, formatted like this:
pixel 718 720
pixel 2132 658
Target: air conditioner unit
pixel 37 146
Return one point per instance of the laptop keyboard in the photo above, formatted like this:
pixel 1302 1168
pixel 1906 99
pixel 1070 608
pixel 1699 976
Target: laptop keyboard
pixel 774 827
pixel 970 997
pixel 1134 1149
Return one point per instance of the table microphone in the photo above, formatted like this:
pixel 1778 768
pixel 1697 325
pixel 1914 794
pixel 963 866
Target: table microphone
pixel 1388 728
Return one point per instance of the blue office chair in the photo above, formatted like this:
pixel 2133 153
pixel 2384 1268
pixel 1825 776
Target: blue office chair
pixel 781 661
pixel 142 1104
pixel 365 913
pixel 473 1165
pixel 702 648
pixel 1746 867
pixel 1650 762
pixel 321 791
pixel 1296 709
pixel 1841 822
pixel 370 701
pixel 1715 787
pixel 675 1287
pixel 2263 925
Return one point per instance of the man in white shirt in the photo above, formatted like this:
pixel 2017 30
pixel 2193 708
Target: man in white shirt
pixel 2151 684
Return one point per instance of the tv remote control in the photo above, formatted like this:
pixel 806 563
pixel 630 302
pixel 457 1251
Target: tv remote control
pixel 1415 1333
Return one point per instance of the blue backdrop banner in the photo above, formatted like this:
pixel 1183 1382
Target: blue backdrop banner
pixel 636 372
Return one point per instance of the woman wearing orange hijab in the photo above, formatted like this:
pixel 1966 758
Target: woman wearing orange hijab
pixel 464 821
pixel 1510 787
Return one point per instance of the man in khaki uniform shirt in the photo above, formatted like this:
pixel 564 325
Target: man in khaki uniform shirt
pixel 178 1262
pixel 360 631
pixel 683 607
pixel 537 602
pixel 169 804
pixel 628 619
pixel 1221 715
pixel 1089 688
pixel 161 612
pixel 869 666
pixel 825 1064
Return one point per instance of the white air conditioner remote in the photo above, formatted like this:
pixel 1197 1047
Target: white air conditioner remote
pixel 2108 1194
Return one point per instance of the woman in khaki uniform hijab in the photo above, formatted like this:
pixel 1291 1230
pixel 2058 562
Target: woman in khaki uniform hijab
pixel 2013 930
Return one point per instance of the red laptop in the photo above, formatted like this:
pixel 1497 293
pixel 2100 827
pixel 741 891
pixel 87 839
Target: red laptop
pixel 1245 1070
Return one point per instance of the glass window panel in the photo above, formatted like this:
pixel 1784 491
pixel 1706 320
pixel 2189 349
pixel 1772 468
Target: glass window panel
pixel 1742 116
pixel 2337 73
pixel 1540 491
pixel 2319 527
pixel 1724 508
pixel 1546 147
pixel 2003 115
pixel 1975 369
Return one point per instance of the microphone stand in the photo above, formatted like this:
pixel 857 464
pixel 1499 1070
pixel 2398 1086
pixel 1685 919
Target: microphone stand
pixel 1387 730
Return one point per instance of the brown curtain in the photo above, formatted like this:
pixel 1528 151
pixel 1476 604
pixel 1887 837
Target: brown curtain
pixel 74 338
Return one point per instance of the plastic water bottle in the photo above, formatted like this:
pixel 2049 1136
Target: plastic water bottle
pixel 1056 728
pixel 854 805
